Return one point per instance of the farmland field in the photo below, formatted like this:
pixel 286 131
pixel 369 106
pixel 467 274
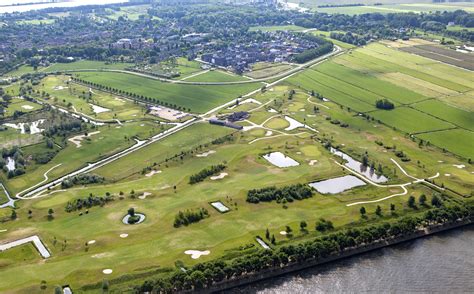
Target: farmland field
pixel 195 97
pixel 456 141
pixel 216 76
pixel 459 117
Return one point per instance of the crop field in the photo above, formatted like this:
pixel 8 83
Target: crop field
pixel 267 70
pixel 77 98
pixel 428 95
pixel 439 53
pixel 195 97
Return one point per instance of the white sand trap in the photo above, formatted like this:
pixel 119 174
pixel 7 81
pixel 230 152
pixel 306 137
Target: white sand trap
pixel 123 236
pixel 91 242
pixel 153 172
pixel 119 99
pixel 118 127
pixel 78 139
pixel 299 152
pixel 294 124
pixel 27 107
pixel 164 187
pixel 268 133
pixel 142 125
pixel 195 254
pixel 206 154
pixel 311 115
pixel 459 165
pixel 10 164
pixel 440 161
pixel 283 233
pixel 313 162
pixel 98 109
pixel 3 231
pixel 272 110
pixel 302 109
pixel 107 271
pixel 447 175
pixel 34 129
pixel 220 176
pixel 145 194
pixel 59 88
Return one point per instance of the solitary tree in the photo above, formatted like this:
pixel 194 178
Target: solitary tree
pixel 267 234
pixel 50 214
pixel 411 202
pixel 105 286
pixel 13 215
pixel 378 210
pixel 392 207
pixel 362 211
pixel 131 212
pixel 436 201
pixel 273 240
pixel 303 226
pixel 288 230
pixel 422 200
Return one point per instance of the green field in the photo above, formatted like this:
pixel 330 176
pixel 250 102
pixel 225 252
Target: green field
pixel 77 65
pixel 459 117
pixel 410 121
pixel 216 76
pixel 22 105
pixel 195 97
pixel 456 141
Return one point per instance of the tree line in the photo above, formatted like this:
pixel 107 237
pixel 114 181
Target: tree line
pixel 88 202
pixel 190 216
pixel 207 172
pixel 283 194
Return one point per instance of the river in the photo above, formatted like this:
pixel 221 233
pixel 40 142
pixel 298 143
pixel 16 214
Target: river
pixel 442 263
pixel 28 7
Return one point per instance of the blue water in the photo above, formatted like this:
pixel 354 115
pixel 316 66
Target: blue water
pixel 443 263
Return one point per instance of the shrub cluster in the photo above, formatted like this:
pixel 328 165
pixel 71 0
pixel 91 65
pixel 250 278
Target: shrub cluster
pixel 384 104
pixel 207 172
pixel 88 202
pixel 81 180
pixel 188 217
pixel 287 193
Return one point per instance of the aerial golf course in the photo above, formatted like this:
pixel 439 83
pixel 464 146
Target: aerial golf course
pixel 422 148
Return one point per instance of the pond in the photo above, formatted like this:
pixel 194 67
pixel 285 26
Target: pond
pixel 337 185
pixel 357 166
pixel 281 160
pixel 125 219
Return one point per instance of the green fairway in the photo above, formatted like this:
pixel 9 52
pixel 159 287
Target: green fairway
pixel 456 141
pixel 78 98
pixel 21 105
pixel 409 120
pixel 198 98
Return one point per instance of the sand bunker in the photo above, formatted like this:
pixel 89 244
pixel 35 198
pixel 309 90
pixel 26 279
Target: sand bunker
pixel 98 109
pixel 283 233
pixel 107 271
pixel 272 110
pixel 313 162
pixel 294 124
pixel 34 129
pixel 153 172
pixel 195 254
pixel 59 88
pixel 447 175
pixel 27 107
pixel 459 165
pixel 268 133
pixel 91 242
pixel 220 176
pixel 206 154
pixel 145 194
pixel 123 236
pixel 78 139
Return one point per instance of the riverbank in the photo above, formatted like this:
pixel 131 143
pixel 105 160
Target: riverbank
pixel 298 266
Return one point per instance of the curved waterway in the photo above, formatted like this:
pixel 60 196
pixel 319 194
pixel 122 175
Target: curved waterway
pixel 442 263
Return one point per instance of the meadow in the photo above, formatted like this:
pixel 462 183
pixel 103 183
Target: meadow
pixel 216 76
pixel 72 66
pixel 194 97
